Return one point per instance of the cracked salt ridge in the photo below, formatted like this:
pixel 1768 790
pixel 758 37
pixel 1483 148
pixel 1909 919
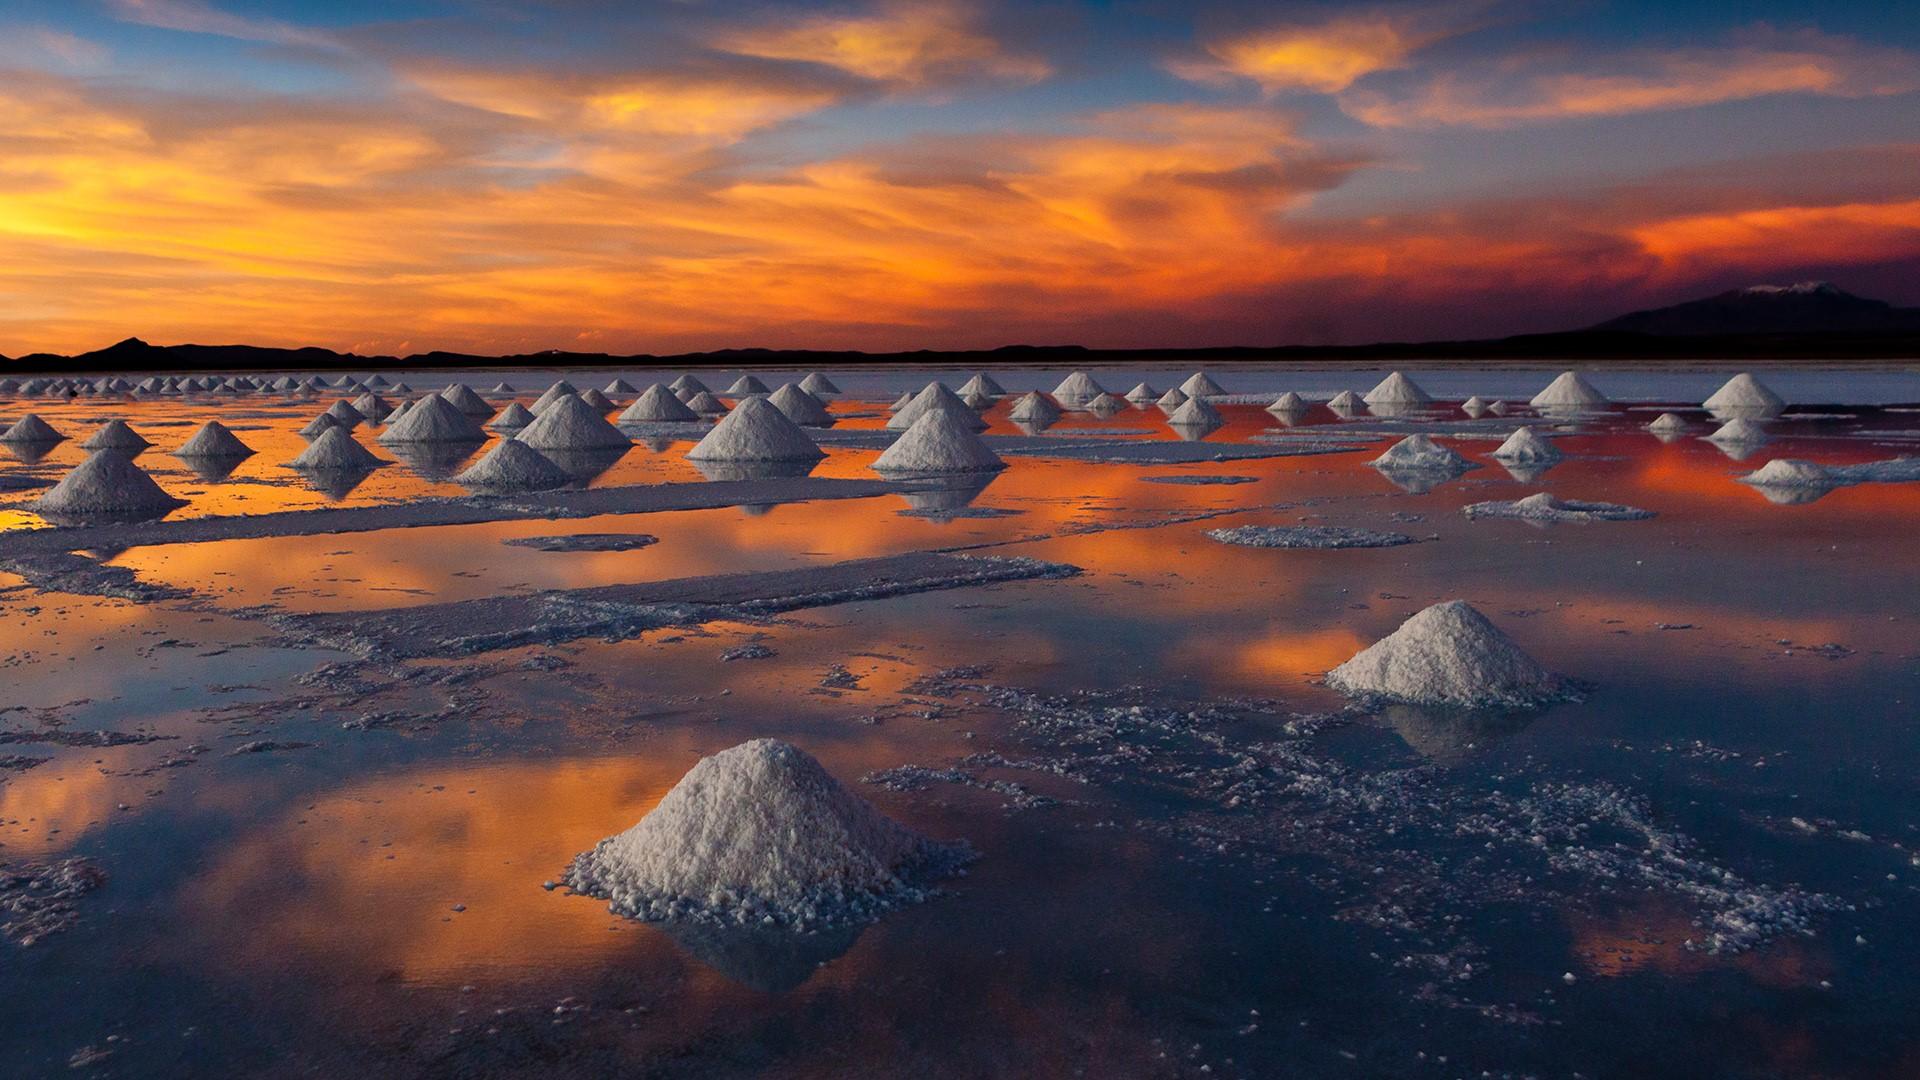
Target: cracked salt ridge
pixel 621 611
pixel 585 542
pixel 1200 480
pixel 38 899
pixel 1415 851
pixel 1546 509
pixel 1311 537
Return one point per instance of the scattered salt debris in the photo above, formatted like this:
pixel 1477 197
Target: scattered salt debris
pixel 335 449
pixel 1419 453
pixel 1739 431
pixel 38 899
pixel 1199 479
pixel 1449 655
pixel 1034 407
pixel 1310 537
pixel 756 431
pixel 1077 387
pixel 1667 423
pixel 1546 509
pixel 107 484
pixel 1569 391
pixel 514 417
pixel 1201 385
pixel 1397 389
pixel 1288 402
pixel 938 442
pixel 569 423
pixel 115 435
pixel 657 404
pixel 213 440
pixel 1746 394
pixel 432 419
pixel 31 429
pixel 513 465
pixel 935 396
pixel 818 384
pixel 1526 445
pixel 801 407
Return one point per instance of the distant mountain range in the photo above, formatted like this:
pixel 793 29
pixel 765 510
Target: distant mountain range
pixel 1808 320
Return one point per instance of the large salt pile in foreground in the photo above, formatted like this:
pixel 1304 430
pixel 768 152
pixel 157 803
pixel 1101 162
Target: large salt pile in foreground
pixel 1525 444
pixel 800 406
pixel 1569 391
pixel 658 405
pixel 1077 387
pixel 335 449
pixel 1419 453
pixel 1449 655
pixel 432 419
pixel 31 429
pixel 938 442
pixel 755 431
pixel 935 396
pixel 1744 393
pixel 1034 407
pixel 213 440
pixel 115 435
pixel 1397 389
pixel 569 423
pixel 761 834
pixel 513 466
pixel 108 484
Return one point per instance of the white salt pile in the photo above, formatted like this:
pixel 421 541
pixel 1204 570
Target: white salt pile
pixel 761 834
pixel 462 397
pixel 115 435
pixel 1077 387
pixel 1744 393
pixel 706 404
pixel 1419 453
pixel 935 396
pixel 756 431
pixel 1201 385
pixel 1545 509
pixel 801 407
pixel 597 400
pixel 901 402
pixel 558 390
pixel 1034 407
pixel 373 407
pixel 982 384
pixel 432 419
pixel 569 423
pixel 516 416
pixel 1739 431
pixel 1397 389
pixel 657 404
pixel 1143 394
pixel 1569 391
pixel 107 484
pixel 746 385
pixel 336 450
pixel 1288 402
pixel 377 382
pixel 31 429
pixel 503 389
pixel 1105 404
pixel 1525 444
pixel 1790 472
pixel 213 440
pixel 1449 655
pixel 1498 408
pixel 1345 400
pixel 1172 400
pixel 618 386
pixel 400 388
pixel 686 386
pixel 1473 406
pixel 1196 412
pixel 345 415
pixel 1667 422
pixel 818 384
pixel 938 442
pixel 318 426
pixel 343 382
pixel 512 465
pixel 977 401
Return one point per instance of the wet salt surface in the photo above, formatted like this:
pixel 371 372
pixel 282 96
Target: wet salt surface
pixel 334 865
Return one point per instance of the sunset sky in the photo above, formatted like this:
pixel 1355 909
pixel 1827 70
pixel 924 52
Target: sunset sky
pixel 489 176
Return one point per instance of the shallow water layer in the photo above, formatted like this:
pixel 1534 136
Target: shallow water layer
pixel 1195 859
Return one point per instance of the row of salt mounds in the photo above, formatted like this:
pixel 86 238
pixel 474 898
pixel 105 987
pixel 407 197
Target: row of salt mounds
pixel 1419 453
pixel 1034 407
pixel 107 484
pixel 115 435
pixel 512 418
pixel 658 405
pixel 1569 391
pixel 801 407
pixel 1201 385
pixel 1196 412
pixel 761 834
pixel 512 465
pixel 31 429
pixel 462 397
pixel 1744 393
pixel 1077 387
pixel 569 423
pixel 1449 655
pixel 938 442
pixel 1526 445
pixel 213 440
pixel 935 396
pixel 1397 389
pixel 755 431
pixel 335 450
pixel 561 388
pixel 432 419
pixel 1546 509
pixel 818 384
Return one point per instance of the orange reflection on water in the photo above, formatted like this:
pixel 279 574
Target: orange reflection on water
pixel 1651 938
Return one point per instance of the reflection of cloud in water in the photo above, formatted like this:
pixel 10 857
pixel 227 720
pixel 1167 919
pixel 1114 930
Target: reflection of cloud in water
pixel 769 959
pixel 1453 736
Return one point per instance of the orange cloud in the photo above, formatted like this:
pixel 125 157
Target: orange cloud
pixel 1771 236
pixel 912 42
pixel 1326 57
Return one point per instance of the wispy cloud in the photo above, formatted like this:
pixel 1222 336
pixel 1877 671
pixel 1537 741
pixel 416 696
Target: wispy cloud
pixel 1324 55
pixel 47 49
pixel 907 41
pixel 200 17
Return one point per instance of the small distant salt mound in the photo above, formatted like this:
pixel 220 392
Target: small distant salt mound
pixel 706 404
pixel 462 397
pixel 1196 412
pixel 1105 405
pixel 656 404
pixel 1546 509
pixel 1288 402
pixel 1143 394
pixel 982 384
pixel 558 390
pixel 935 396
pixel 503 389
pixel 686 386
pixel 343 382
pixel 315 382
pixel 376 382
pixel 755 431
pixel 1667 422
pixel 373 407
pixel 1569 391
pixel 514 417
pixel 569 423
pixel 31 429
pixel 399 388
pixel 1419 453
pixel 512 465
pixel 345 415
pixel 1201 385
pixel 318 426
pixel 977 401
pixel 1739 431
pixel 1744 393
pixel 1077 387
pixel 1473 406
pixel 1498 408
pixel 938 442
pixel 1790 472
pixel 107 484
pixel 1449 655
pixel 115 435
pixel 1172 400
pixel 746 385
pixel 801 407
pixel 1034 407
pixel 761 834
pixel 618 386
pixel 597 400
pixel 1308 537
pixel 818 384
pixel 432 419
pixel 335 449
pixel 213 440
pixel 1525 444
pixel 1397 389
pixel 901 402
pixel 1345 400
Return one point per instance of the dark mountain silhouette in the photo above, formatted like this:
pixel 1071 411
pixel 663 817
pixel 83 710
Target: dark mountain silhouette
pixel 1811 307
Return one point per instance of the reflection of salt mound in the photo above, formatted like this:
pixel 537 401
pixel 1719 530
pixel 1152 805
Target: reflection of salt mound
pixel 1739 431
pixel 1345 401
pixel 1547 510
pixel 335 449
pixel 513 466
pixel 1667 423
pixel 1474 407
pixel 31 429
pixel 1077 387
pixel 1569 391
pixel 1142 394
pixel 462 397
pixel 800 406
pixel 938 442
pixel 982 384
pixel 107 484
pixel 1525 444
pixel 1744 393
pixel 770 959
pixel 1448 654
pixel 569 423
pixel 1195 412
pixel 213 440
pixel 755 431
pixel 115 435
pixel 1201 385
pixel 1288 402
pixel 1450 736
pixel 1172 400
pixel 746 385
pixel 1419 453
pixel 755 470
pixel 657 404
pixel 1789 472
pixel 1034 408
pixel 1397 389
pixel 760 834
pixel 936 397
pixel 706 404
pixel 512 418
pixel 818 384
pixel 432 419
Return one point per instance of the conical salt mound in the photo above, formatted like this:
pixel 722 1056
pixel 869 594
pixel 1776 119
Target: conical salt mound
pixel 1789 472
pixel 553 393
pixel 1397 389
pixel 503 388
pixel 801 407
pixel 658 405
pixel 1077 387
pixel 1498 408
pixel 1744 393
pixel 432 419
pixel 1172 400
pixel 1143 394
pixel 1569 391
pixel 1667 422
pixel 1473 406
pixel 686 386
pixel 512 465
pixel 598 401
pixel 31 429
pixel 335 449
pixel 618 386
pixel 901 402
pixel 512 418
pixel 115 435
pixel 1288 402
pixel 1105 404
pixel 344 414
pixel 569 423
pixel 938 442
pixel 935 396
pixel 746 385
pixel 1739 430
pixel 977 401
pixel 1525 444
pixel 1419 453
pixel 1449 655
pixel 755 431
pixel 818 384
pixel 106 484
pixel 376 382
pixel 373 407
pixel 318 426
pixel 1201 385
pixel 1195 412
pixel 706 403
pixel 983 384
pixel 1345 400
pixel 400 388
pixel 462 397
pixel 213 440
pixel 760 834
pixel 343 382
pixel 1034 407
